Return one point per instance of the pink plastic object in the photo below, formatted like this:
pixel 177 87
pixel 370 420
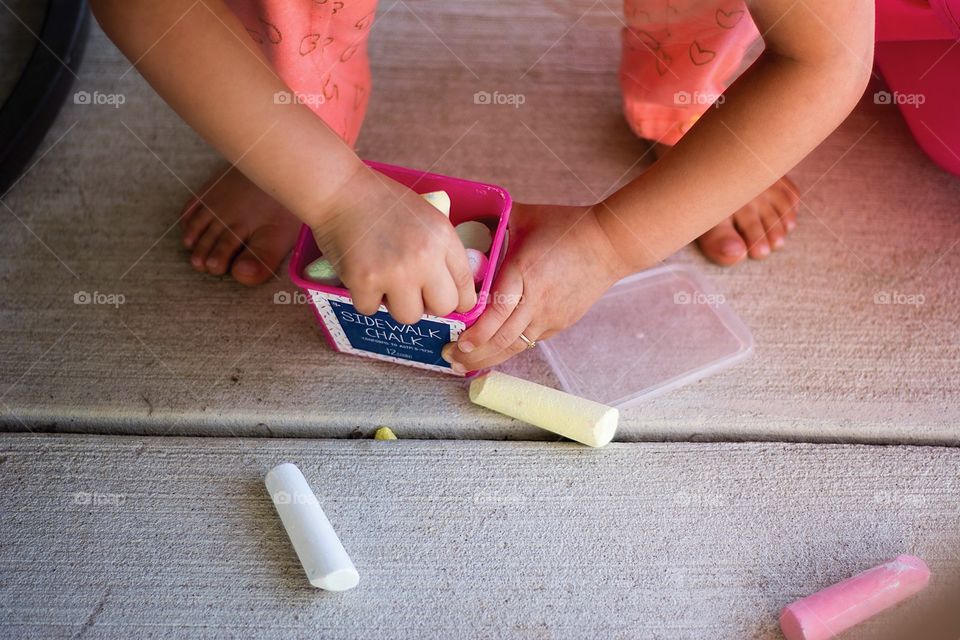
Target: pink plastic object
pixel 918 54
pixel 380 336
pixel 841 606
pixel 478 265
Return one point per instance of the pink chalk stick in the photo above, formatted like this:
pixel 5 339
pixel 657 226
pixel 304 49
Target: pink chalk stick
pixel 478 264
pixel 846 604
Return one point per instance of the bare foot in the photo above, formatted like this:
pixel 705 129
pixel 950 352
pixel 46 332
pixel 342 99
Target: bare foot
pixel 756 229
pixel 238 228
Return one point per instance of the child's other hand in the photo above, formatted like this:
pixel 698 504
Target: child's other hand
pixel 390 246
pixel 559 262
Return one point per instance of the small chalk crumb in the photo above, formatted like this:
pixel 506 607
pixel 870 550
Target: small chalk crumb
pixel 384 433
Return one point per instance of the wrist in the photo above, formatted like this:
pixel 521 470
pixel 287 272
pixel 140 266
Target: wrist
pixel 617 266
pixel 626 247
pixel 346 184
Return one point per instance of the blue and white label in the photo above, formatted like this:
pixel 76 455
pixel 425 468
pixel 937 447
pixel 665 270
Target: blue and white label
pixel 380 336
pixel 380 333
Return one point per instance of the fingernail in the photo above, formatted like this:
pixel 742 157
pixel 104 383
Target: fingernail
pixel 196 261
pixel 791 224
pixel 465 345
pixel 458 368
pixel 777 243
pixel 731 247
pixel 763 249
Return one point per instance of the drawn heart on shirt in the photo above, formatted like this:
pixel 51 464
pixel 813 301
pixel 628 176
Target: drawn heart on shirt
pixel 273 34
pixel 363 22
pixel 700 56
pixel 359 92
pixel 348 52
pixel 663 63
pixel 310 42
pixel 729 19
pixel 639 16
pixel 334 92
pixel 647 42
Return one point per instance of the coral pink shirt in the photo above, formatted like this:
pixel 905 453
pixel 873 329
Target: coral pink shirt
pixel 319 49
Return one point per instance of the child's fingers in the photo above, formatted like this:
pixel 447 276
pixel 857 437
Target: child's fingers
pixel 366 301
pixel 440 296
pixel 405 304
pixel 462 279
pixel 504 298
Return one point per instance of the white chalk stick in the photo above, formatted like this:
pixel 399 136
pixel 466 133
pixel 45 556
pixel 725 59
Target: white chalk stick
pixel 585 421
pixel 322 555
pixel 322 272
pixel 475 235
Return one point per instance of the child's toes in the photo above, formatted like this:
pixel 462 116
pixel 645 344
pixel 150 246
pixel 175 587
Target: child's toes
pixel 722 244
pixel 195 227
pixel 750 225
pixel 218 261
pixel 773 228
pixel 788 204
pixel 788 214
pixel 264 252
pixel 203 246
pixel 192 206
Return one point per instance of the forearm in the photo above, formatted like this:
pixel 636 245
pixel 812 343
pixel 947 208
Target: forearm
pixel 771 118
pixel 200 59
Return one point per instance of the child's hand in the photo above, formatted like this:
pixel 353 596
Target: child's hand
pixel 389 245
pixel 559 262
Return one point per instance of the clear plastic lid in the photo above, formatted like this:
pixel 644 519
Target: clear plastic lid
pixel 650 333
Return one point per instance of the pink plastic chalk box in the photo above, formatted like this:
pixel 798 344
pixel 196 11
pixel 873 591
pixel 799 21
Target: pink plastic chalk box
pixel 380 336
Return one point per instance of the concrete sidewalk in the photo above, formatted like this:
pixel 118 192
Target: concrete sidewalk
pixel 121 537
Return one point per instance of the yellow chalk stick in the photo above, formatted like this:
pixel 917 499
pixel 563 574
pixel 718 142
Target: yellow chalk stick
pixel 384 433
pixel 585 421
pixel 440 200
